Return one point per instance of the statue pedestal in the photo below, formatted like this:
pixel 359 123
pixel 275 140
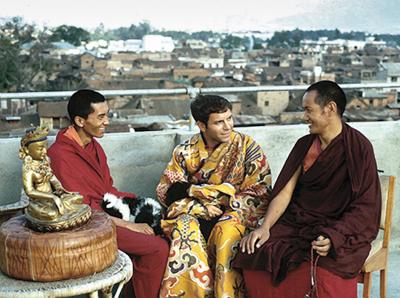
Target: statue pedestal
pixel 65 222
pixel 29 255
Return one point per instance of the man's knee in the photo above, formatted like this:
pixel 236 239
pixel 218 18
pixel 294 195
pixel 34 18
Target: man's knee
pixel 156 256
pixel 225 231
pixel 186 219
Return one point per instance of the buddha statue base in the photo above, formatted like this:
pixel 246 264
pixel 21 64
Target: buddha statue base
pixel 65 222
pixel 30 255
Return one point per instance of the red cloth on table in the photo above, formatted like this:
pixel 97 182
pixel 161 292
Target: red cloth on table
pixel 85 170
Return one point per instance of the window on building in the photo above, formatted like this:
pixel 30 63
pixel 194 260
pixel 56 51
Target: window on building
pixel 56 123
pixel 366 74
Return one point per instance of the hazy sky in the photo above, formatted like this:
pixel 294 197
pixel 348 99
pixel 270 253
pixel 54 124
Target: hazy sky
pixel 231 15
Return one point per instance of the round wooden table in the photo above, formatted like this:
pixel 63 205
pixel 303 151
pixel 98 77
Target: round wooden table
pixel 117 274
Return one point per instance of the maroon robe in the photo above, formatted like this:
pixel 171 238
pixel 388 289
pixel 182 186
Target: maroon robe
pixel 85 170
pixel 338 197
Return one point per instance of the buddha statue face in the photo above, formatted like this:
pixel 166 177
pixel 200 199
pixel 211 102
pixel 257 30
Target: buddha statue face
pixel 34 143
pixel 37 150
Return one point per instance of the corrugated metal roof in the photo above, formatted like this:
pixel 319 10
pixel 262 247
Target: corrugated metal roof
pixel 392 68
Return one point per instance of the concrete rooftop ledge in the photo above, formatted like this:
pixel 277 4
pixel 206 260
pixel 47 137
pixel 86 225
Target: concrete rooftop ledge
pixel 137 159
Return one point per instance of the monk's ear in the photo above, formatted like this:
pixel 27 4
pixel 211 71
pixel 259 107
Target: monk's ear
pixel 332 107
pixel 201 126
pixel 79 121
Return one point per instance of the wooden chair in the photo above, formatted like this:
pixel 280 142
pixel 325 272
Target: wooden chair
pixel 378 256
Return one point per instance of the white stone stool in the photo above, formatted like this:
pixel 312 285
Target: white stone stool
pixel 118 273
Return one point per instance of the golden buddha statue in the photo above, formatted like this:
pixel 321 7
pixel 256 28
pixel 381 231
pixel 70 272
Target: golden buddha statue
pixel 51 207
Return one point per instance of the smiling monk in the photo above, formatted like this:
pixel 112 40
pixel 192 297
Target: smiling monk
pixel 324 213
pixel 80 163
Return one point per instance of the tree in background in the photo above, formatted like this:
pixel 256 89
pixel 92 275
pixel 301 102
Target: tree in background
pixel 13 33
pixel 205 35
pixel 10 66
pixel 25 64
pixel 231 42
pixel 71 34
pixel 176 35
pixel 124 33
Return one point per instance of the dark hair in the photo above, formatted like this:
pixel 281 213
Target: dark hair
pixel 329 91
pixel 204 105
pixel 80 103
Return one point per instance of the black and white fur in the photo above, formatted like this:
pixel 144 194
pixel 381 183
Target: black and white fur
pixel 139 210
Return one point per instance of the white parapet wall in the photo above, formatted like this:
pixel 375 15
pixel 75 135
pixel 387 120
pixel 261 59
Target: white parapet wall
pixel 137 159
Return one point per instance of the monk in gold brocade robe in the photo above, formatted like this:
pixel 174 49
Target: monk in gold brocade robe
pixel 217 184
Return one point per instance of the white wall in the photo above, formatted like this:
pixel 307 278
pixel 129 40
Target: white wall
pixel 137 160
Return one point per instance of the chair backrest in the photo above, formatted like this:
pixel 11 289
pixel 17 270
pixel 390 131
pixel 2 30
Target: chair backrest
pixel 387 190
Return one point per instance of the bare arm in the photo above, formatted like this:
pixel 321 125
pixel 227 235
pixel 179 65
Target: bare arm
pixel 276 208
pixel 280 202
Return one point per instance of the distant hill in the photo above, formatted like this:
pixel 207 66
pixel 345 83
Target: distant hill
pixel 372 16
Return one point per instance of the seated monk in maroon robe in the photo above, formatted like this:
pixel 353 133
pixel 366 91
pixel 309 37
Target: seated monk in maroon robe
pixel 80 163
pixel 324 213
